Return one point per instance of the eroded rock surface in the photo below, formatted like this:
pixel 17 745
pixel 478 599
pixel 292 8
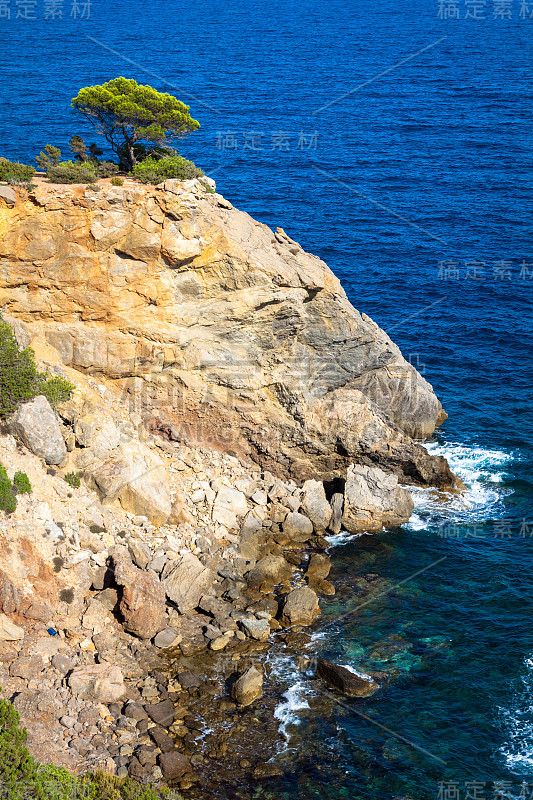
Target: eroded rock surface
pixel 223 330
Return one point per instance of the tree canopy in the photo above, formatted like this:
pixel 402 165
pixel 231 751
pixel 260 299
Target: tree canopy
pixel 125 112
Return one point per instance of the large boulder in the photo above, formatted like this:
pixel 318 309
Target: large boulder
pixel 300 608
pixel 345 680
pixel 229 504
pixel 185 580
pixel 271 570
pixel 143 603
pixel 298 527
pixel 373 500
pixel 315 506
pixel 37 426
pixel 102 683
pixel 248 687
pixel 174 765
pixel 137 478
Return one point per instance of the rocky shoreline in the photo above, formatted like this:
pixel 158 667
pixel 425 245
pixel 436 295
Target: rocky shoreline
pixel 138 609
pixel 157 627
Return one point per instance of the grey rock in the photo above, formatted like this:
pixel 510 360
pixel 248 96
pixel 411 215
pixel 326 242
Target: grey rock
pixel 169 637
pixel 344 680
pixel 300 608
pixel 315 506
pixel 8 195
pixel 187 582
pixel 270 569
pixel 337 505
pixel 298 527
pixel 161 713
pixel 374 500
pixel 248 687
pixel 103 683
pixel 256 628
pixel 174 765
pixel 37 426
pixel 140 553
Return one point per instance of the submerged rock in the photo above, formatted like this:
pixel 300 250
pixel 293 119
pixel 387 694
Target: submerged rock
pixel 344 680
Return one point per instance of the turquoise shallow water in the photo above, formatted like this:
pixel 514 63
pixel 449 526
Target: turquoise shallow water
pixel 415 188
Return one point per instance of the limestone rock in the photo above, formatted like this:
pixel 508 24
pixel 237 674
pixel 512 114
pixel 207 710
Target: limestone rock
pixel 9 632
pixel 8 195
pixel 300 608
pixel 345 680
pixel 270 569
pixel 102 683
pixel 37 426
pixel 142 604
pixel 187 581
pixel 337 505
pixel 256 628
pixel 190 298
pixel 169 637
pixel 315 506
pixel 373 500
pixel 298 527
pixel 229 504
pixel 248 687
pixel 137 478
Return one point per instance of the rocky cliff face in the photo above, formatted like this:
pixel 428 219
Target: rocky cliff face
pixel 215 329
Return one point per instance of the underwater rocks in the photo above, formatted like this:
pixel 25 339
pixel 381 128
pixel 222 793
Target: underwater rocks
pixel 344 680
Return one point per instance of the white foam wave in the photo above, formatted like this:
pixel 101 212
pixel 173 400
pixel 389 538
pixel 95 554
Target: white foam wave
pixel 480 469
pixel 517 719
pixel 338 539
pixel 294 701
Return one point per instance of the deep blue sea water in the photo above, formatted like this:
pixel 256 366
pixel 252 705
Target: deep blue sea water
pixel 394 140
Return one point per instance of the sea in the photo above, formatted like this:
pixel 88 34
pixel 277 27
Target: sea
pixel 393 139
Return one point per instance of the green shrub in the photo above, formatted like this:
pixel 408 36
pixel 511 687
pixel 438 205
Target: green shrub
pixel 23 778
pixel 73 479
pixel 21 482
pixel 14 173
pixel 8 501
pixel 49 157
pixel 156 170
pixel 105 169
pixel 56 390
pixel 20 380
pixel 117 181
pixel 70 172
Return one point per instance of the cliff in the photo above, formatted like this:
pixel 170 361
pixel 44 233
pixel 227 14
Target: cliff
pixel 217 330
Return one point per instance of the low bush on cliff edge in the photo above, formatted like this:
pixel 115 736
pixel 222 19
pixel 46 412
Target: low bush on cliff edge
pixel 23 778
pixel 14 173
pixel 156 170
pixel 20 380
pixel 71 172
